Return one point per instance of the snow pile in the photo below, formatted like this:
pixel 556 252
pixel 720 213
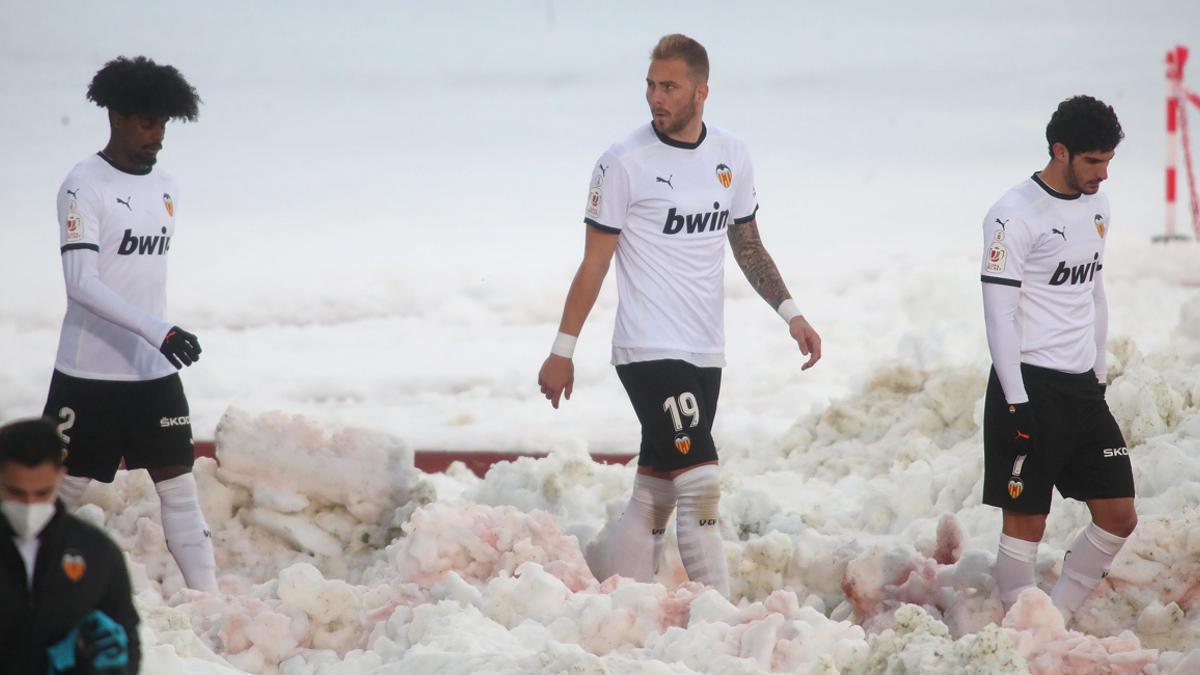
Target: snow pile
pixel 856 542
pixel 332 497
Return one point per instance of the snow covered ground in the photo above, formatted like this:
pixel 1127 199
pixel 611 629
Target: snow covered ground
pixel 379 218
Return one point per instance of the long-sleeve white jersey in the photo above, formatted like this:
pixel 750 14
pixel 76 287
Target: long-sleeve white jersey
pixel 1044 301
pixel 115 230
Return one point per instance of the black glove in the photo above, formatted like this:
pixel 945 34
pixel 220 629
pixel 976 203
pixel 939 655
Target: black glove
pixel 1020 428
pixel 180 347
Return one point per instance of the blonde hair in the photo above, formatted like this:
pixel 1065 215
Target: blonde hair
pixel 680 46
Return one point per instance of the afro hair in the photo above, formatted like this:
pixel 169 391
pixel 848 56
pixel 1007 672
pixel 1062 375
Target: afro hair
pixel 139 86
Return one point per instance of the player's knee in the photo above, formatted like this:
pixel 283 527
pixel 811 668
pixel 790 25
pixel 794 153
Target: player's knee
pixel 1120 524
pixel 159 474
pixel 698 491
pixel 1029 527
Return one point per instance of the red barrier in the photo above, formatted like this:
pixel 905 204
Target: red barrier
pixel 1177 135
pixel 437 461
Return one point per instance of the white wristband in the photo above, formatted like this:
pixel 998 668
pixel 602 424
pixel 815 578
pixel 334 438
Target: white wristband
pixel 788 310
pixel 564 345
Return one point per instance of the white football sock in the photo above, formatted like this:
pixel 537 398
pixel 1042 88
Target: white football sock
pixel 187 534
pixel 71 491
pixel 1086 563
pixel 698 492
pixel 1015 563
pixel 637 541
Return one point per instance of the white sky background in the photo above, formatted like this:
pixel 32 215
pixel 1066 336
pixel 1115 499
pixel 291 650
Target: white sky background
pixel 380 205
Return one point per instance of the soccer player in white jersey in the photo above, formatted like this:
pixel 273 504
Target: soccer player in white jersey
pixel 664 200
pixel 1046 424
pixel 115 389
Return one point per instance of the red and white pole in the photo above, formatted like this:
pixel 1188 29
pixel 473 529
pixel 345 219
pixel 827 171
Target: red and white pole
pixel 1175 60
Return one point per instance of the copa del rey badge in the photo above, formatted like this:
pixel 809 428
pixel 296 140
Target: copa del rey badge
pixel 997 255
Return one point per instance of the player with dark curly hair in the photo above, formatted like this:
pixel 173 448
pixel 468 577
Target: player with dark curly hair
pixel 1046 424
pixel 115 389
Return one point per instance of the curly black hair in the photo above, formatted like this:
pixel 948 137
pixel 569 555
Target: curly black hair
pixel 139 86
pixel 1084 124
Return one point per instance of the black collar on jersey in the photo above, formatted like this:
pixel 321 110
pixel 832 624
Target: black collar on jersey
pixel 114 165
pixel 1051 191
pixel 680 144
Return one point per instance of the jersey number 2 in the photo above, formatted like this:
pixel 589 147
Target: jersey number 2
pixel 687 405
pixel 68 420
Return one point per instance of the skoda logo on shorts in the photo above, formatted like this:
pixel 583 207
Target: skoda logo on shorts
pixel 682 443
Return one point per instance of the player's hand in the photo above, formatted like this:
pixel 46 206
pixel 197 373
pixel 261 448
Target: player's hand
pixel 807 338
pixel 1021 428
pixel 180 347
pixel 556 378
pixel 102 643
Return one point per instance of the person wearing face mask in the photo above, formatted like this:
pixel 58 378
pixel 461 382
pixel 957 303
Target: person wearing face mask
pixel 66 602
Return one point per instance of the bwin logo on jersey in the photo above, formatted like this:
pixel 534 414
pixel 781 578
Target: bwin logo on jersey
pixel 144 245
pixel 1077 274
pixel 697 222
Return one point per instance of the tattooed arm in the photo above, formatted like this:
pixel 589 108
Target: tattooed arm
pixel 757 264
pixel 760 271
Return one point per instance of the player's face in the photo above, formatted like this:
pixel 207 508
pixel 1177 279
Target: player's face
pixel 673 98
pixel 141 137
pixel 1086 170
pixel 29 484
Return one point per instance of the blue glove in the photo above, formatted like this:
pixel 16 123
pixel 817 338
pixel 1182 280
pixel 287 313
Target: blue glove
pixel 98 643
pixel 62 653
pixel 103 642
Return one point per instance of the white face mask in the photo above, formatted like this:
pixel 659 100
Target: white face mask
pixel 27 519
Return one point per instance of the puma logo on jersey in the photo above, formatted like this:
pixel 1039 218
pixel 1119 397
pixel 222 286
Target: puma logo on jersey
pixel 144 245
pixel 603 169
pixel 1116 452
pixel 696 222
pixel 1062 233
pixel 72 193
pixel 1002 223
pixel 126 201
pixel 667 180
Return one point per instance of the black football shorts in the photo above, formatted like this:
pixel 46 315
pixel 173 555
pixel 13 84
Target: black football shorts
pixel 147 423
pixel 1078 449
pixel 675 402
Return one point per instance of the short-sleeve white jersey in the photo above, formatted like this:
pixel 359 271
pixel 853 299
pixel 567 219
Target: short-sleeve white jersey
pixel 115 231
pixel 1050 245
pixel 671 203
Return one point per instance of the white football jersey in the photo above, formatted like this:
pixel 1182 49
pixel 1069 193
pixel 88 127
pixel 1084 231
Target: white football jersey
pixel 1050 245
pixel 671 204
pixel 115 230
